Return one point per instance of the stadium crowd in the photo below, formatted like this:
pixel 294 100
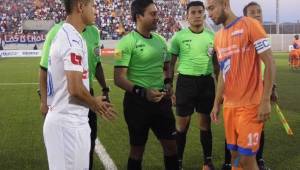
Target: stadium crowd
pixel 113 18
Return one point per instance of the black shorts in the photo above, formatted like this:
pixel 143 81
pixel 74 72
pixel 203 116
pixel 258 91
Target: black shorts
pixel 142 115
pixel 194 93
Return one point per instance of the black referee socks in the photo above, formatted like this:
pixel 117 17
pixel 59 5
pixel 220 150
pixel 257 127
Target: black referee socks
pixel 206 141
pixel 134 164
pixel 171 162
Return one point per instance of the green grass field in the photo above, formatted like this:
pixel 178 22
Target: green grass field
pixel 21 140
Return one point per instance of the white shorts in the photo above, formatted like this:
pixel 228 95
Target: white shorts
pixel 68 147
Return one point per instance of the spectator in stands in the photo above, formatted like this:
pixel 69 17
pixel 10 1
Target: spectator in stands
pixel 1 43
pixel 113 16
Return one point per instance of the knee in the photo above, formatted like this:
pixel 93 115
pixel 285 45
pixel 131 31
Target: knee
pixel 182 127
pixel 205 123
pixel 234 157
pixel 247 161
pixel 183 124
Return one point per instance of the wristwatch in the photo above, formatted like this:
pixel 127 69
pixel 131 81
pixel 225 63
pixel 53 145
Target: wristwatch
pixel 105 89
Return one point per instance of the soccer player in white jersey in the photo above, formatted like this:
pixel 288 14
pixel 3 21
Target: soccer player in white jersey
pixel 66 129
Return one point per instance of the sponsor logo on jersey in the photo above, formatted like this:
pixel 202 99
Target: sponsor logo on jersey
pixel 76 59
pixel 237 32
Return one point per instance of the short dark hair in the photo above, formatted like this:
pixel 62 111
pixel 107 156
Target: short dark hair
pixel 69 4
pixel 194 3
pixel 138 7
pixel 248 5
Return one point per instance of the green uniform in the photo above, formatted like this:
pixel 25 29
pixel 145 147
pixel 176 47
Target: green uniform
pixel 144 58
pixel 92 37
pixel 194 51
pixel 47 44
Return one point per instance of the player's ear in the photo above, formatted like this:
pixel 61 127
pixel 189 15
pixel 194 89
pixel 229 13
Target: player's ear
pixel 79 6
pixel 226 4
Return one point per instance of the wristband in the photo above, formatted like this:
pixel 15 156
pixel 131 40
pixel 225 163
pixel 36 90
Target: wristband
pixel 105 90
pixel 168 81
pixel 139 91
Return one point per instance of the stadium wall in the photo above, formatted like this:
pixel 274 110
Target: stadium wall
pixel 280 42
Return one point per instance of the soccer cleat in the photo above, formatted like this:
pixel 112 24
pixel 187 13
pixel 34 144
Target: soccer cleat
pixel 261 165
pixel 208 166
pixel 226 167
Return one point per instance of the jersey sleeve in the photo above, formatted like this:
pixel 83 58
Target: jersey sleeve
pixel 123 52
pixel 45 51
pixel 258 36
pixel 74 54
pixel 174 46
pixel 97 34
pixel 47 45
pixel 167 54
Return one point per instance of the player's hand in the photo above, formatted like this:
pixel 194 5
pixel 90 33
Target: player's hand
pixel 153 95
pixel 104 109
pixel 264 110
pixel 44 109
pixel 214 115
pixel 106 97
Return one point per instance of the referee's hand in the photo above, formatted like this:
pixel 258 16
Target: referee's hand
pixel 154 95
pixel 104 109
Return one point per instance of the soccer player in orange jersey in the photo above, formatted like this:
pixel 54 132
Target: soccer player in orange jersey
pixel 253 10
pixel 241 45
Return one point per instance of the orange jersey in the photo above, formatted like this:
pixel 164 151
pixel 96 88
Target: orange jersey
pixel 238 46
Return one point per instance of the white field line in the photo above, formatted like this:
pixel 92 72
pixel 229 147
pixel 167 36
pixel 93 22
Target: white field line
pixel 17 84
pixel 33 83
pixel 104 157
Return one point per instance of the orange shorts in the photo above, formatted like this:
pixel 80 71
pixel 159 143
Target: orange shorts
pixel 242 129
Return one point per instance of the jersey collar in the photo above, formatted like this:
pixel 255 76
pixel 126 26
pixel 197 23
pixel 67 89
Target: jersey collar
pixel 196 32
pixel 143 35
pixel 232 23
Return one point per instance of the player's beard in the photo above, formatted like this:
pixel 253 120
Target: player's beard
pixel 222 18
pixel 153 26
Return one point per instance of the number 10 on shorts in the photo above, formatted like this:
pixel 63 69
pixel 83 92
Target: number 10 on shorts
pixel 253 139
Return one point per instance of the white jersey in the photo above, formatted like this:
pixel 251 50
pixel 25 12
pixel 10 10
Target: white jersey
pixel 68 52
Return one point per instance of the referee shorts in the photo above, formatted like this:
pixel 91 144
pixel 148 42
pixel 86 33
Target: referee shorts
pixel 142 115
pixel 194 93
